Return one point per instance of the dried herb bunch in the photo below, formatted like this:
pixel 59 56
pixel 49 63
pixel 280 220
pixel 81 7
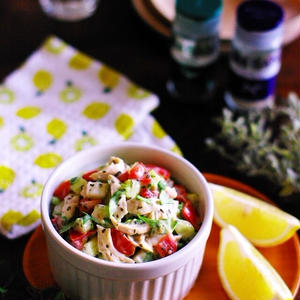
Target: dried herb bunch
pixel 264 143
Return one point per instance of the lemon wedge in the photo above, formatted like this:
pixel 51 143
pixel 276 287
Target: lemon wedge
pixel 245 274
pixel 262 223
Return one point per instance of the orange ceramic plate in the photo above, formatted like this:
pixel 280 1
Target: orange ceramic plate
pixel 285 258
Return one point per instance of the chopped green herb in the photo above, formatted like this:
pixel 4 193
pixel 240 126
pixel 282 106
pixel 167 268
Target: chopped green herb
pixel 73 179
pixel 86 217
pixel 151 222
pixel 2 290
pixel 180 206
pixel 66 227
pixel 264 142
pixel 113 201
pixel 147 200
pixel 161 185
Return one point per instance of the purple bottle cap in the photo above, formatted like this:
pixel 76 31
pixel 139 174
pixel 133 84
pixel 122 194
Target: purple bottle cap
pixel 259 15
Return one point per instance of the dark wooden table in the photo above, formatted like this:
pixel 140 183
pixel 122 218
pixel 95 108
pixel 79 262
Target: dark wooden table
pixel 118 37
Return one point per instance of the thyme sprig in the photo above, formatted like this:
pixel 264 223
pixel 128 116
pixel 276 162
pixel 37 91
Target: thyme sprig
pixel 263 142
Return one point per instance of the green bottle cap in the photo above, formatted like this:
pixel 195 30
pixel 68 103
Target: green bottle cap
pixel 199 9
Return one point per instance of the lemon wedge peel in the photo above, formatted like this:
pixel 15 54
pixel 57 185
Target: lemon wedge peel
pixel 258 281
pixel 262 223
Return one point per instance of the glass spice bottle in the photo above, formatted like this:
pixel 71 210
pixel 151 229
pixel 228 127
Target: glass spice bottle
pixel 255 55
pixel 194 50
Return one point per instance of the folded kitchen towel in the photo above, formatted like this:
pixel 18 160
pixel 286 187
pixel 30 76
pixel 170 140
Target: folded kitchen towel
pixel 58 102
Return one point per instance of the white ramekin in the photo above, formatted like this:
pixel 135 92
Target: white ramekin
pixel 84 277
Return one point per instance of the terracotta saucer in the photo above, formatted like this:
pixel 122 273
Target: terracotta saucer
pixel 285 258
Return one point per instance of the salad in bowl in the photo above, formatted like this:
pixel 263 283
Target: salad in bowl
pixel 129 213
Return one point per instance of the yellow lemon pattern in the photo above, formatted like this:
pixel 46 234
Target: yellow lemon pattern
pixel 30 218
pixel 176 150
pixel 56 128
pixel 42 80
pixel 124 125
pixel 54 46
pixel 22 142
pixel 49 110
pixel 10 218
pixel 135 92
pixel 157 130
pixel 108 77
pixel 96 110
pixel 7 96
pixel 32 190
pixel 84 142
pixel 7 177
pixel 80 61
pixel 28 112
pixel 70 94
pixel 48 160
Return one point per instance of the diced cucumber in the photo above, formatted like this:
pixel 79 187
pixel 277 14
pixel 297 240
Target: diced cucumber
pixel 185 229
pixel 100 213
pixel 77 184
pixel 55 200
pixel 166 226
pixel 91 247
pixel 155 178
pixel 57 210
pixel 132 188
pixel 83 225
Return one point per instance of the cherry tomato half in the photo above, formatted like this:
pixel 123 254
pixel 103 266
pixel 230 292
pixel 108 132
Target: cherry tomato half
pixel 122 243
pixel 181 193
pixel 159 170
pixel 146 193
pixel 189 213
pixel 166 245
pixel 87 206
pixel 63 190
pixel 77 239
pixel 87 175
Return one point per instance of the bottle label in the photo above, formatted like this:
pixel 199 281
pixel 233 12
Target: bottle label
pixel 195 53
pixel 251 90
pixel 256 64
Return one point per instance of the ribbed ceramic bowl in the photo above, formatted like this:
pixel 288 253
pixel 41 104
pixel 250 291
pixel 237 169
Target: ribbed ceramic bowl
pixel 84 277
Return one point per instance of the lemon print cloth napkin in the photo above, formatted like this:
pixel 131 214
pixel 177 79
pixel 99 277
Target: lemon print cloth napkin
pixel 58 102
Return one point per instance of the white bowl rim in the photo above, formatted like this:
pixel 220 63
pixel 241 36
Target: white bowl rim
pixel 178 255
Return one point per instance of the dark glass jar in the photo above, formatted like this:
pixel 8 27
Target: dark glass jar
pixel 194 50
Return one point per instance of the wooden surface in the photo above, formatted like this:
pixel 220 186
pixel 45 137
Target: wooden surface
pixel 118 37
pixel 160 14
pixel 208 285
